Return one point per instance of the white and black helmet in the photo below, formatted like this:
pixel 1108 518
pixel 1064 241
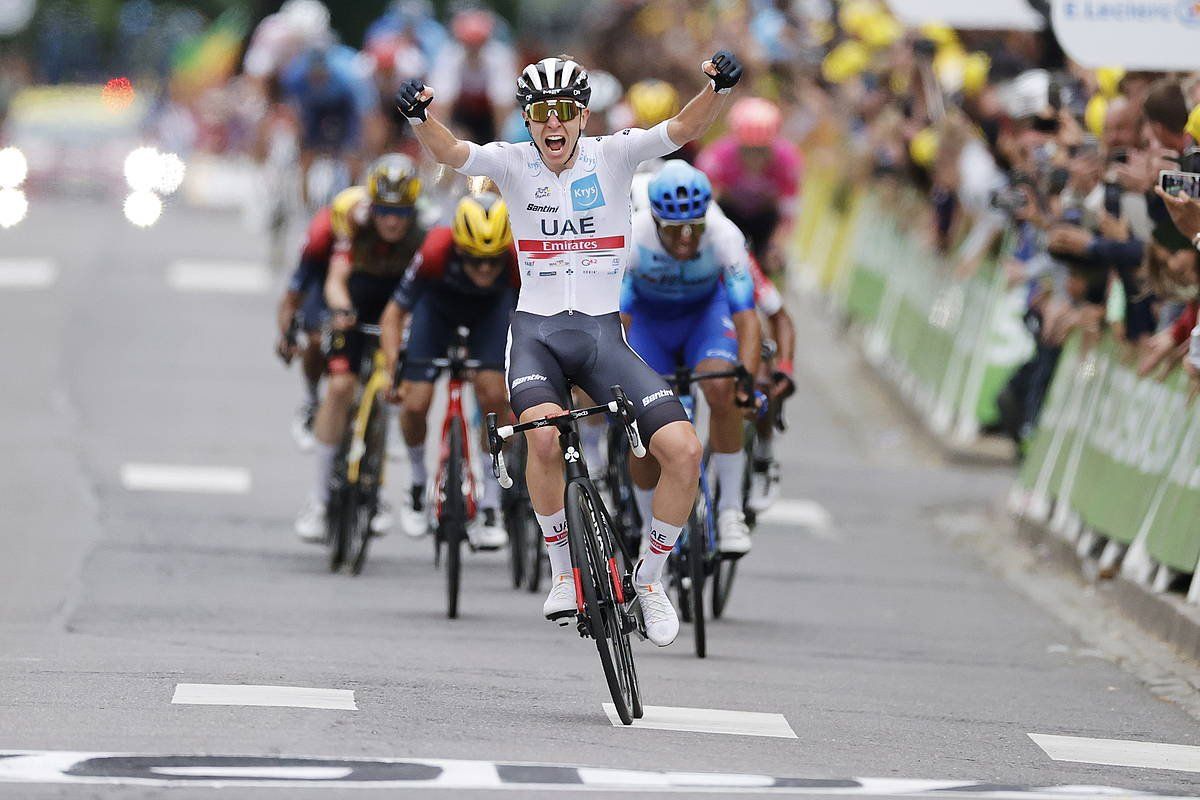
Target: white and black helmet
pixel 553 79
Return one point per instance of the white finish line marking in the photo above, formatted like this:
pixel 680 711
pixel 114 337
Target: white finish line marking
pixel 27 273
pixel 217 694
pixel 806 513
pixel 708 720
pixel 1119 752
pixel 236 277
pixel 180 478
pixel 129 769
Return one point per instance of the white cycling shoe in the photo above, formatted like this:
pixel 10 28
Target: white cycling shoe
pixel 764 486
pixel 662 623
pixel 310 522
pixel 733 535
pixel 561 605
pixel 302 427
pixel 487 533
pixel 413 519
pixel 383 520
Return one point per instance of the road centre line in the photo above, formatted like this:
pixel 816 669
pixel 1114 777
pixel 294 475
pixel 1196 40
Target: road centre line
pixel 66 767
pixel 806 513
pixel 708 720
pixel 233 277
pixel 218 694
pixel 1119 752
pixel 27 273
pixel 185 478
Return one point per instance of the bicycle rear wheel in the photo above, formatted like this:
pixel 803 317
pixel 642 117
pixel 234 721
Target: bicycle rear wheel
pixel 453 521
pixel 724 571
pixel 593 554
pixel 337 513
pixel 620 488
pixel 697 533
pixel 515 510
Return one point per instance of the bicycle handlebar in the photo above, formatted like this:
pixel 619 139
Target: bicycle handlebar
pixel 620 406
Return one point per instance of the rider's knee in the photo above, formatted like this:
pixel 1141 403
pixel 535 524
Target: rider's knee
pixel 492 396
pixel 683 454
pixel 543 445
pixel 719 394
pixel 416 403
pixel 340 388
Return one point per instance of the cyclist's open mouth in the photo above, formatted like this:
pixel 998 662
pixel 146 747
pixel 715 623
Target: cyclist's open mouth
pixel 555 143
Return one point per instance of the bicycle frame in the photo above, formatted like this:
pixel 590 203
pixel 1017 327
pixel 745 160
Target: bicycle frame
pixel 377 382
pixel 455 416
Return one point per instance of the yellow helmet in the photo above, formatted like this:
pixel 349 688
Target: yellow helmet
pixel 392 181
pixel 652 101
pixel 480 226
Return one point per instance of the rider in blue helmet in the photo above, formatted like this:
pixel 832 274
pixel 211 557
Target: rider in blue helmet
pixel 688 299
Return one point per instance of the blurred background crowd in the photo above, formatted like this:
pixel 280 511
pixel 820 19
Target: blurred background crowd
pixel 997 143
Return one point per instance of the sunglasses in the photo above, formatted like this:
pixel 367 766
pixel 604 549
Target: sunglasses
pixel 565 110
pixel 482 264
pixel 393 211
pixel 674 232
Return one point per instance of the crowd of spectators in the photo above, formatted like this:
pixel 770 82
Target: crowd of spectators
pixel 1016 151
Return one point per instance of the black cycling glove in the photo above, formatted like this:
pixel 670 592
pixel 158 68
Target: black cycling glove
pixel 409 102
pixel 729 71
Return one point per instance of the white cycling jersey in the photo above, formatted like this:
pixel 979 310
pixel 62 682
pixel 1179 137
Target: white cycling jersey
pixel 572 230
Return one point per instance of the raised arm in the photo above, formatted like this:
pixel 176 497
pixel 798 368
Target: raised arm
pixel 412 101
pixel 724 71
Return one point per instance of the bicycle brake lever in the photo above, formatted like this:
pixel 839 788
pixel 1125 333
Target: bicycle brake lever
pixel 495 446
pixel 631 428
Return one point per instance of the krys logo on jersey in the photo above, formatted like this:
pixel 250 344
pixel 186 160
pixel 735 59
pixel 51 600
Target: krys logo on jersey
pixel 586 194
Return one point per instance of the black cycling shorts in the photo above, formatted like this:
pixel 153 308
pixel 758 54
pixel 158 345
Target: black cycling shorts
pixel 545 352
pixel 432 331
pixel 347 351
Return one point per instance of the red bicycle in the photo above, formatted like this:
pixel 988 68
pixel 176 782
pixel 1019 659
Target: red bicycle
pixel 454 505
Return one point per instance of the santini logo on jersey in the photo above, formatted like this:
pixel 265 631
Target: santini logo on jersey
pixel 542 209
pixel 659 395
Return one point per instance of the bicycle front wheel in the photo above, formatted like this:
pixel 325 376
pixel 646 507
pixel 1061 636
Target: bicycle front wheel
pixel 593 555
pixel 452 525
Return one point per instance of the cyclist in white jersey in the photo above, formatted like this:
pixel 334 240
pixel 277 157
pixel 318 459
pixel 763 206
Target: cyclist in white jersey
pixel 568 200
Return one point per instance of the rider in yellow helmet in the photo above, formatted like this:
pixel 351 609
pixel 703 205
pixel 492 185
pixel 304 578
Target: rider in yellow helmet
pixel 375 234
pixel 465 276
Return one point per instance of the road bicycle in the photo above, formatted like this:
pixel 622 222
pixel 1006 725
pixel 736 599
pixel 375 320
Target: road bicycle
pixel 601 565
pixel 359 467
pixel 454 488
pixel 696 554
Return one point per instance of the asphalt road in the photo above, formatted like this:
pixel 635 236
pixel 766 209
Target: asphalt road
pixel 888 651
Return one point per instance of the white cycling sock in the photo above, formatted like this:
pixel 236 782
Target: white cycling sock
pixel 326 453
pixel 491 490
pixel 662 538
pixel 554 533
pixel 416 465
pixel 764 449
pixel 645 502
pixel 728 468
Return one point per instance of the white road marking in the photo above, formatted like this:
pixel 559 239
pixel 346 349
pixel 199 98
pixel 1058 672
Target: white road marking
pixel 27 273
pixel 806 513
pixel 1119 752
pixel 236 277
pixel 182 478
pixel 708 720
pixel 53 767
pixel 217 694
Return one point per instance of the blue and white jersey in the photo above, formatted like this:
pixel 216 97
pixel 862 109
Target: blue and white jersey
pixel 654 277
